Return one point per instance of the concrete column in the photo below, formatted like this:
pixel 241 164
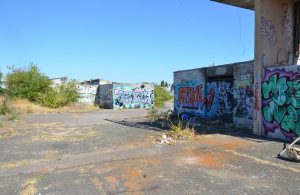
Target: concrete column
pixel 273 45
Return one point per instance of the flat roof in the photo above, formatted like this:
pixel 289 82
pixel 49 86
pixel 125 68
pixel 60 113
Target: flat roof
pixel 247 4
pixel 216 66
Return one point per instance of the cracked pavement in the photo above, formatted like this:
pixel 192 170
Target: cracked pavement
pixel 112 152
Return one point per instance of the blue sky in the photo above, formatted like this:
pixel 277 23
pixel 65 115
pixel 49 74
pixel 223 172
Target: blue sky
pixel 122 40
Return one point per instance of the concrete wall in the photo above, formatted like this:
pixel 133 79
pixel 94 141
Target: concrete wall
pixel 210 93
pixel 243 95
pixel 87 93
pixel 105 96
pixel 273 47
pixel 133 96
pixel 281 102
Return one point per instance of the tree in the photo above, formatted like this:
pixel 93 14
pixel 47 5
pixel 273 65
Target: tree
pixel 162 83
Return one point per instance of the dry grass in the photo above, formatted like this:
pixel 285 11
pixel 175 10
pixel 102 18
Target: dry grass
pixel 29 187
pixel 24 106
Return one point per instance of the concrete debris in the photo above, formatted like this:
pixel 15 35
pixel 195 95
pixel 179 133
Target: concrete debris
pixel 293 153
pixel 164 139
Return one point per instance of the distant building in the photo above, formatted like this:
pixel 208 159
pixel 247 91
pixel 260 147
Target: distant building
pixel 126 96
pixel 96 82
pixel 59 80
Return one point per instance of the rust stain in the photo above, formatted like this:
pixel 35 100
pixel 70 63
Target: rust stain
pixel 209 159
pixel 223 142
pixel 132 174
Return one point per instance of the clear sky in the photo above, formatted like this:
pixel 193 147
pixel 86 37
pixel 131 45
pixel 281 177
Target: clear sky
pixel 122 40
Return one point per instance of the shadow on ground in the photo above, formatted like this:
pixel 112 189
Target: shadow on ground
pixel 154 126
pixel 207 128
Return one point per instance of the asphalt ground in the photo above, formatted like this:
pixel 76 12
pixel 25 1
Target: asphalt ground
pixel 114 152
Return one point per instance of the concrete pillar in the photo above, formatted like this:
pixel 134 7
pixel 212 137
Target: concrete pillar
pixel 273 45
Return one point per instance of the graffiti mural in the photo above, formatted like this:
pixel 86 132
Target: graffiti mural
pixel 87 93
pixel 130 97
pixel 268 32
pixel 281 101
pixel 245 102
pixel 211 100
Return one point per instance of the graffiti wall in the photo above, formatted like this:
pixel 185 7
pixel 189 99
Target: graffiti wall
pixel 133 96
pixel 209 100
pixel 87 93
pixel 243 111
pixel 281 102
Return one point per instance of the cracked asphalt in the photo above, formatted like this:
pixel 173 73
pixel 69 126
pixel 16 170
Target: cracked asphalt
pixel 113 152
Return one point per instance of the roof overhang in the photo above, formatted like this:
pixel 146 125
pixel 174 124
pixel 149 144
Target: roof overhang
pixel 247 4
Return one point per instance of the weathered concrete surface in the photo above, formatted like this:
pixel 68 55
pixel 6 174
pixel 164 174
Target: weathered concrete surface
pixel 111 152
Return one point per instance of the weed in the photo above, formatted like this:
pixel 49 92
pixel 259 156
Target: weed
pixel 177 130
pixel 162 95
pixel 29 109
pixel 152 115
pixel 12 117
pixel 4 106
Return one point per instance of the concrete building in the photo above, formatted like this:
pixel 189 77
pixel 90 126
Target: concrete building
pixel 126 96
pixel 277 75
pixel 58 81
pixel 96 82
pixel 88 90
pixel 222 93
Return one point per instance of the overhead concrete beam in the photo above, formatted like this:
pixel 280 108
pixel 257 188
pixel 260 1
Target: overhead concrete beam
pixel 247 4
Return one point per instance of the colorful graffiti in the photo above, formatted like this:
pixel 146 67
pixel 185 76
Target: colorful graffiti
pixel 211 100
pixel 281 101
pixel 87 93
pixel 128 97
pixel 245 102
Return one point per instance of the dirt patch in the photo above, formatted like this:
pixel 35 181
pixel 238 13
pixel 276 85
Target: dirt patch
pixel 67 134
pixel 229 143
pixel 47 157
pixel 38 125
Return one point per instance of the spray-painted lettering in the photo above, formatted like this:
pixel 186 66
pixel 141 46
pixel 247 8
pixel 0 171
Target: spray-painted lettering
pixel 281 101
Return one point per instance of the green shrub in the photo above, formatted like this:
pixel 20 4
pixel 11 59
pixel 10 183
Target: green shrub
pixel 28 83
pixel 60 95
pixel 162 95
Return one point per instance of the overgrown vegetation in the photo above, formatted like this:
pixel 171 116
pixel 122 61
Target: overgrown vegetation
pixel 4 106
pixel 60 96
pixel 162 95
pixel 6 109
pixel 178 129
pixel 29 83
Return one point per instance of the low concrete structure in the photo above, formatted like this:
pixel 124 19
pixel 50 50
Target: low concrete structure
pixel 88 90
pixel 217 93
pixel 126 96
